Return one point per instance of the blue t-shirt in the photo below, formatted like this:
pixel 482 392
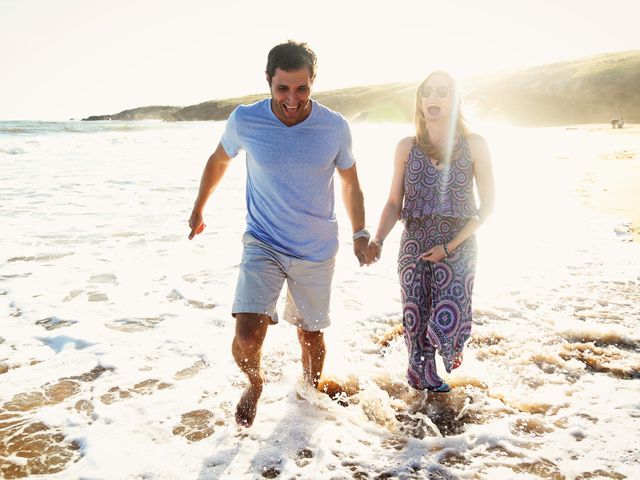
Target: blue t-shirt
pixel 290 197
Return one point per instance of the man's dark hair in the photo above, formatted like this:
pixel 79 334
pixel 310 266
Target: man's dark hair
pixel 291 56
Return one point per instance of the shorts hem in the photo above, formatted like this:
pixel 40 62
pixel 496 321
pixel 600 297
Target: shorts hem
pixel 258 308
pixel 321 325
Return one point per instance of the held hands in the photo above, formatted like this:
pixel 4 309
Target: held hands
pixel 364 253
pixel 196 224
pixel 367 253
pixel 375 249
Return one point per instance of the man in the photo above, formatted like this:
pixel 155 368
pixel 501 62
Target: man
pixel 293 146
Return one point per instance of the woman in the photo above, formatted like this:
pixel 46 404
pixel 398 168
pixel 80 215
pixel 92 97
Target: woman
pixel 432 192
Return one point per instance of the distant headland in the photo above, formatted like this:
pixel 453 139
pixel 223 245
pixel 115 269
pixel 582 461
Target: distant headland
pixel 587 90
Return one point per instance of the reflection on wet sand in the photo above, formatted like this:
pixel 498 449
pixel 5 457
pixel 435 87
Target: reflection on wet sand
pixel 30 447
pixel 123 346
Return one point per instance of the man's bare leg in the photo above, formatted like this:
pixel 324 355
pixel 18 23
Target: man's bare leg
pixel 251 328
pixel 313 353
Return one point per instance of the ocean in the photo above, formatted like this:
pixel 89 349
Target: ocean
pixel 115 330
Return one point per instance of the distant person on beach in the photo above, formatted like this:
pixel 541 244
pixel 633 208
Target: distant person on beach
pixel 432 192
pixel 293 145
pixel 617 122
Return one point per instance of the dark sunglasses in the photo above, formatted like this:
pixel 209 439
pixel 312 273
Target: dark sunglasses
pixel 441 92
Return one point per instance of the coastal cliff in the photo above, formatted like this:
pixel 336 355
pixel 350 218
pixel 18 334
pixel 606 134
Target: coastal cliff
pixel 589 90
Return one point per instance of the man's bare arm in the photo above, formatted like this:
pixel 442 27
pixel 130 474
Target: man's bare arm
pixel 354 202
pixel 211 176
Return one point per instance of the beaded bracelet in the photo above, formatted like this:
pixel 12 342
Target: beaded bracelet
pixel 446 250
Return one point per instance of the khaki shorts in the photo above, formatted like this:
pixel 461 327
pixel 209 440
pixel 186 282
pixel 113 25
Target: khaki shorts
pixel 263 272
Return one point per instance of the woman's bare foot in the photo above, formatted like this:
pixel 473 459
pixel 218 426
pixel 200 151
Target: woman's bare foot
pixel 456 361
pixel 248 404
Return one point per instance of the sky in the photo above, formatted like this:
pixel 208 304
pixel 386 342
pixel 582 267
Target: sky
pixel 66 59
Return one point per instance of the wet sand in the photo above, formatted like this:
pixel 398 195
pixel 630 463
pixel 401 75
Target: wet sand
pixel 612 182
pixel 114 347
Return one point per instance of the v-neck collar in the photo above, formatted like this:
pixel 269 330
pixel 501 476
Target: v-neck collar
pixel 275 117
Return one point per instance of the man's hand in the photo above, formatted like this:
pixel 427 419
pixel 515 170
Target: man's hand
pixel 196 224
pixel 213 172
pixel 362 251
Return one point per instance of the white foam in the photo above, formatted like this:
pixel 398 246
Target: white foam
pixel 95 219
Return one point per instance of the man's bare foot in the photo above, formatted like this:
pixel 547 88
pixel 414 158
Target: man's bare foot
pixel 334 390
pixel 330 387
pixel 248 404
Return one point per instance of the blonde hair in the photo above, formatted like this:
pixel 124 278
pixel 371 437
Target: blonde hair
pixel 422 132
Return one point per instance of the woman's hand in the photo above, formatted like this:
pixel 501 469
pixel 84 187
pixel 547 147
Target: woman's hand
pixel 375 249
pixel 435 254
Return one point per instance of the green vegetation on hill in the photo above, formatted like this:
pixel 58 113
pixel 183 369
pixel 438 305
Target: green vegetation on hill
pixel 590 90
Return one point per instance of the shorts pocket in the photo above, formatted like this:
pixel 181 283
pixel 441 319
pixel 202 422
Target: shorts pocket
pixel 248 239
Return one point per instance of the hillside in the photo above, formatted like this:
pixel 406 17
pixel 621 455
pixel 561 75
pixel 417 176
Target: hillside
pixel 589 90
pixel 140 113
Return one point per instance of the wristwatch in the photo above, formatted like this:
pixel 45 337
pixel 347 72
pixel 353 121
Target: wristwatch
pixel 361 233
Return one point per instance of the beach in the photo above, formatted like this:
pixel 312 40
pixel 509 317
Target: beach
pixel 116 330
pixel 611 184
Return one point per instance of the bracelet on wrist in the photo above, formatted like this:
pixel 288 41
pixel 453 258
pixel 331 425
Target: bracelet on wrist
pixel 446 250
pixel 364 233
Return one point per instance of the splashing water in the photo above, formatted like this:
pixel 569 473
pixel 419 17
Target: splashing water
pixel 115 340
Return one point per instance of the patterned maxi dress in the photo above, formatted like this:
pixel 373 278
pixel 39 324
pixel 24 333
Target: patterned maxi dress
pixel 436 297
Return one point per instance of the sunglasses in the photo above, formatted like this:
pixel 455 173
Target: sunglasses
pixel 441 92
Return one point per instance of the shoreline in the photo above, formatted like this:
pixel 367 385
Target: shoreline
pixel 611 182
